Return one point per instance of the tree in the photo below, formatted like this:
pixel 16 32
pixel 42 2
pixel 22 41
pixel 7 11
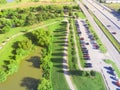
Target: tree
pixel 3 1
pixel 25 44
pixel 3 76
pixel 44 84
pixel 93 73
pixel 5 29
pixel 42 37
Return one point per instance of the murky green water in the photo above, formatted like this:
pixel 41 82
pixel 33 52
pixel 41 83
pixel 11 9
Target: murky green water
pixel 27 76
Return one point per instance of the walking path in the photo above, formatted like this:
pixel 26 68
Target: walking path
pixel 21 33
pixel 65 62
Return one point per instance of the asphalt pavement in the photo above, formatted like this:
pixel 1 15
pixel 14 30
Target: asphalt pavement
pixel 109 20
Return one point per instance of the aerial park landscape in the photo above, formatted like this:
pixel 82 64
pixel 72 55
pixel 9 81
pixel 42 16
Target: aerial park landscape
pixel 59 45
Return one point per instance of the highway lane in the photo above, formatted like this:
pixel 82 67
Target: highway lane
pixel 107 19
pixel 111 51
pixel 114 54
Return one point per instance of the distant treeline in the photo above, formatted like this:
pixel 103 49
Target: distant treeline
pixel 11 18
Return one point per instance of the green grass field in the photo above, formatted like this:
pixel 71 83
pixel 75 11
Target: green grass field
pixel 88 83
pixel 58 79
pixel 81 15
pixel 114 6
pixel 28 3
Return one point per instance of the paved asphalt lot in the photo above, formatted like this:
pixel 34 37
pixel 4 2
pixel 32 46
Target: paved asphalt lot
pixel 97 59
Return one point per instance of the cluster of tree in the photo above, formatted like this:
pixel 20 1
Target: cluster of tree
pixel 72 52
pixel 46 65
pixel 39 37
pixel 11 66
pixel 3 1
pixel 11 18
pixel 43 38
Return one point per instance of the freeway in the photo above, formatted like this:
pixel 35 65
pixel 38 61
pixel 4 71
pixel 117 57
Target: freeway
pixel 111 22
pixel 112 53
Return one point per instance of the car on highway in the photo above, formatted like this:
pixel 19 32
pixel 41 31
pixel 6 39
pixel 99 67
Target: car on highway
pixel 114 33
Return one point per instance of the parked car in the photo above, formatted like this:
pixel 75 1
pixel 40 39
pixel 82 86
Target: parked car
pixel 82 38
pixel 87 43
pixel 88 65
pixel 114 33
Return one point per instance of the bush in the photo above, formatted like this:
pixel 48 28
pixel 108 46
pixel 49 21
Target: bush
pixel 92 73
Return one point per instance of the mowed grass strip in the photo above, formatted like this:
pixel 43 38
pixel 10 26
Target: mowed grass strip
pixel 88 82
pixel 58 79
pixel 107 33
pixel 114 6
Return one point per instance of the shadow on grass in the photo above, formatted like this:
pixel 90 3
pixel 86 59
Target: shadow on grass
pixel 59 54
pixel 61 66
pixel 58 60
pixel 61 41
pixel 35 61
pixel 61 49
pixel 72 72
pixel 30 83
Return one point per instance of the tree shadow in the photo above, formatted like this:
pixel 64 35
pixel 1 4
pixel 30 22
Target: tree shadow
pixel 61 66
pixel 35 61
pixel 61 49
pixel 72 72
pixel 57 60
pixel 30 83
pixel 59 54
pixel 31 37
pixel 59 41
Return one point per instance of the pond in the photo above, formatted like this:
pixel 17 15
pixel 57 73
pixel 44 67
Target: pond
pixel 28 75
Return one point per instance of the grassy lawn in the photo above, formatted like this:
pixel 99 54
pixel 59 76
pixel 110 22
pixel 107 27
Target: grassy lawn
pixel 114 66
pixel 58 79
pixel 28 3
pixel 6 52
pixel 14 31
pixel 82 61
pixel 114 6
pixel 81 15
pixel 88 83
pixel 108 34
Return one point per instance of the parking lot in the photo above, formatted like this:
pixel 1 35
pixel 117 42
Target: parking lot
pixel 93 57
pixel 89 47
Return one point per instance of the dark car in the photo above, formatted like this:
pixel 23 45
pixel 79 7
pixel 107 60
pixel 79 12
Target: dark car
pixel 88 65
pixel 95 46
pixel 87 43
pixel 86 58
pixel 113 32
pixel 85 51
pixel 110 68
pixel 81 38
